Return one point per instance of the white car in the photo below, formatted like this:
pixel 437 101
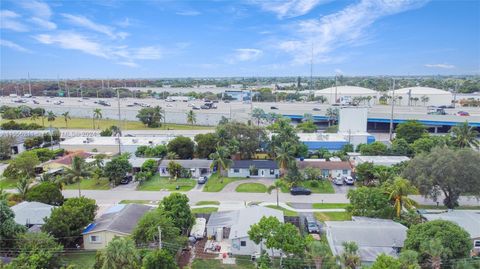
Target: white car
pixel 169 105
pixel 349 180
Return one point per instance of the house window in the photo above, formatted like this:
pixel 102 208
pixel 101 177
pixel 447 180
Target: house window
pixel 236 170
pixel 94 239
pixel 476 244
pixel 345 172
pixel 272 171
pixel 243 243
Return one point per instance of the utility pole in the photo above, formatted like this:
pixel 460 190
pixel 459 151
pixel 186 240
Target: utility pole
pixel 159 237
pixel 81 90
pixel 119 123
pixel 335 87
pixel 66 88
pixel 29 85
pixel 391 114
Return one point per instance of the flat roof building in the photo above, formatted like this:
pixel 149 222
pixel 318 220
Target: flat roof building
pixel 379 160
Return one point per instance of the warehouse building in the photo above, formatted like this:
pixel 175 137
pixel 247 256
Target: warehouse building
pixel 347 94
pixel 422 96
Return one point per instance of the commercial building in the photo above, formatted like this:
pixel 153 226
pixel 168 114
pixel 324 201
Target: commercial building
pixel 254 168
pixel 365 232
pixel 233 227
pixel 422 96
pixel 347 94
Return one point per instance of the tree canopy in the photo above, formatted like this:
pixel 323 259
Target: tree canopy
pixel 410 131
pixel 45 192
pixel 182 146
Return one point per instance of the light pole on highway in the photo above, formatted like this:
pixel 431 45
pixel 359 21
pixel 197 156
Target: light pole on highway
pixel 391 114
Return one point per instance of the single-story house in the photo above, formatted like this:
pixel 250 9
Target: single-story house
pixel 197 167
pixel 233 226
pixel 470 221
pixel 365 233
pixel 62 162
pixel 32 214
pixel 254 168
pixel 119 220
pixel 328 169
pixel 379 160
pixel 137 163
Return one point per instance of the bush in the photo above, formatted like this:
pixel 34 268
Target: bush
pixel 12 125
pixel 314 184
pixel 46 192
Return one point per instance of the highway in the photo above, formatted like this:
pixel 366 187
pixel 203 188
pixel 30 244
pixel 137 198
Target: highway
pixel 176 111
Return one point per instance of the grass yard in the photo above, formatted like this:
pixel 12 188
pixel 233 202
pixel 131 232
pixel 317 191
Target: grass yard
pixel 316 186
pixel 444 207
pixel 86 123
pixel 286 212
pixel 138 202
pixel 242 263
pixel 208 203
pixel 8 183
pixel 216 183
pixel 157 183
pixel 332 216
pixel 89 184
pixel 80 259
pixel 251 187
pixel 329 206
pixel 204 210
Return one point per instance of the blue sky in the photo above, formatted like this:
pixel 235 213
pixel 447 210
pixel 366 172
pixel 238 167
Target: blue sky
pixel 151 39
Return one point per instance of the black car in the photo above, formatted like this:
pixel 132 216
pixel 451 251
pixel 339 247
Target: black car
pixel 273 107
pixel 316 109
pixel 126 179
pixel 300 191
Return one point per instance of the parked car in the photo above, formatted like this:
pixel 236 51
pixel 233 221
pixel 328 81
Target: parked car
pixel 35 102
pixel 316 109
pixel 463 113
pixel 202 180
pixel 311 225
pixel 348 180
pixel 126 179
pixel 338 181
pixel 194 107
pixel 273 107
pixel 169 105
pixel 300 191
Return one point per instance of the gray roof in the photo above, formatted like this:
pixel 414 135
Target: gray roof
pixel 239 221
pixel 138 162
pixel 373 236
pixel 195 163
pixel 259 164
pixel 30 213
pixel 120 218
pixel 468 220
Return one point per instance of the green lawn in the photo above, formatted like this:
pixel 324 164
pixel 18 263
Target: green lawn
pixel 8 183
pixel 216 183
pixel 86 123
pixel 251 187
pixel 89 184
pixel 329 206
pixel 157 183
pixel 80 259
pixel 323 186
pixel 286 212
pixel 138 202
pixel 208 203
pixel 444 207
pixel 242 263
pixel 204 210
pixel 333 216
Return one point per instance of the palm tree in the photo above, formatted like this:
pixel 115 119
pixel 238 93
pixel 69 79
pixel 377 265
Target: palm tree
pixel 121 253
pixel 77 172
pixel 34 117
pixel 97 115
pixel 221 159
pixel 435 250
pixel 318 251
pixel 284 155
pixel 258 114
pixel 277 185
pixel 3 194
pixel 398 191
pixel 464 136
pixel 332 114
pixel 23 186
pixel 51 116
pixel 171 155
pixel 191 117
pixel 350 257
pixel 66 117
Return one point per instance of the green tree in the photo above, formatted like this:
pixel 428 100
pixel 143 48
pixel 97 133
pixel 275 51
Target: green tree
pixel 262 233
pixel 6 143
pixel 435 252
pixel 370 202
pixel 221 160
pixel 97 115
pixel 176 207
pixel 409 259
pixel 312 173
pixel 23 165
pixel 116 169
pixel 23 186
pixel 401 147
pixel 258 114
pixel 319 253
pixel 277 185
pixel 174 169
pixel 307 126
pixel 240 138
pixel 332 114
pixel 182 146
pixel 66 118
pixel 373 149
pixel 464 136
pixel 150 166
pixel 121 253
pixel 37 251
pixel 151 116
pixel 398 192
pixel 77 172
pixel 191 117
pixel 452 172
pixel 9 229
pixel 51 116
pixel 426 143
pixel 285 155
pixel 45 192
pixel 171 156
pixel 350 256
pixel 384 261
pixel 205 144
pixel 410 131
pixel 454 240
pixel 159 259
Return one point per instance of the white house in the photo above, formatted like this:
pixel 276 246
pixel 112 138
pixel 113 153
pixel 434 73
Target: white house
pixel 328 169
pixel 197 167
pixel 254 168
pixel 233 226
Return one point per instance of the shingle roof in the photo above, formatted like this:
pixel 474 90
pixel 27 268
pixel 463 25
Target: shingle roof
pixel 119 218
pixel 324 165
pixel 259 164
pixel 138 162
pixel 28 213
pixel 68 159
pixel 195 163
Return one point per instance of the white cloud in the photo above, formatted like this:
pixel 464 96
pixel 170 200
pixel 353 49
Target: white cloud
pixel 244 55
pixel 9 20
pixel 74 41
pixel 40 9
pixel 14 46
pixel 147 53
pixel 290 8
pixel 347 27
pixel 44 23
pixel 129 64
pixel 97 27
pixel 444 66
pixel 188 13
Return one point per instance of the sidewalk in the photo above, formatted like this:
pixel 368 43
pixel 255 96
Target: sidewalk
pixel 235 206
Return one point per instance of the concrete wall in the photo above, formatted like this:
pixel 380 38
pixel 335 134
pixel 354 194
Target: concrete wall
pixel 250 247
pixel 353 119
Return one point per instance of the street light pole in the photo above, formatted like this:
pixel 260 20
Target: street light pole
pixel 391 114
